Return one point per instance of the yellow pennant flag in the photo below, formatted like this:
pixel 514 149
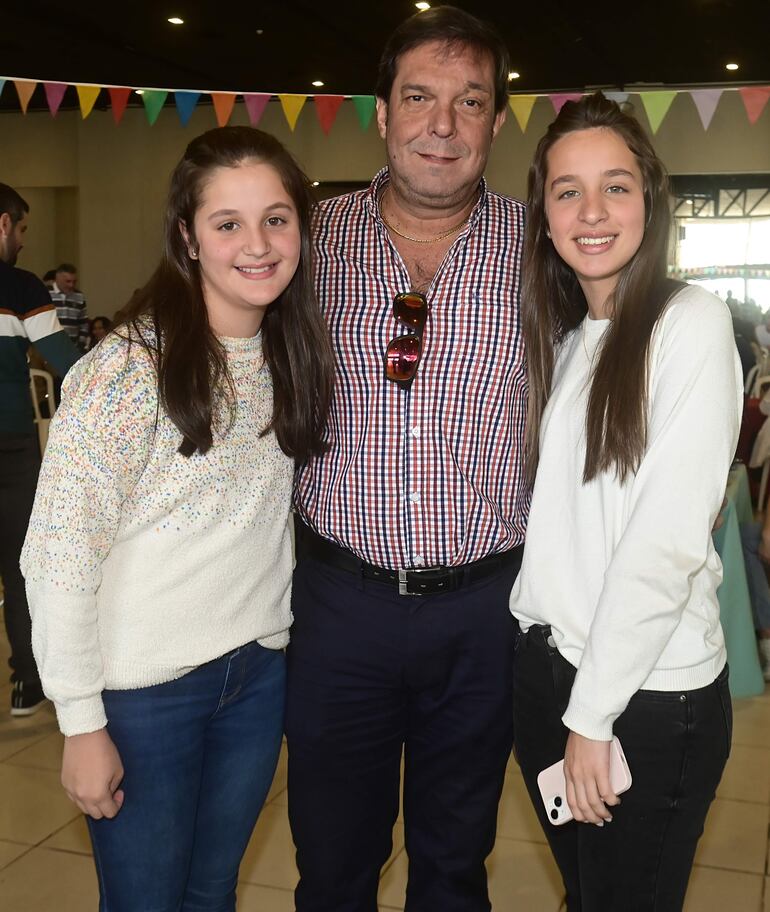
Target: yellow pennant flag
pixel 87 96
pixel 24 90
pixel 292 105
pixel 656 105
pixel 522 105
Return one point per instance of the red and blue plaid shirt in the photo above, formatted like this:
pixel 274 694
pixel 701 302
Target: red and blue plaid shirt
pixel 433 475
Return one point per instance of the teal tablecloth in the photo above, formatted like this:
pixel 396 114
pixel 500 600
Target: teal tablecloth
pixel 734 602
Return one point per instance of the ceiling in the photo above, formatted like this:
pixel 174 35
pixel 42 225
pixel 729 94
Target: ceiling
pixel 554 44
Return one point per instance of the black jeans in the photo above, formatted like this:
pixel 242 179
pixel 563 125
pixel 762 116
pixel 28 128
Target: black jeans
pixel 676 744
pixel 369 673
pixel 19 467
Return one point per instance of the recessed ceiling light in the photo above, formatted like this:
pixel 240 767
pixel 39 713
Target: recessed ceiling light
pixel 514 75
pixel 422 6
pixel 139 91
pixel 260 31
pixel 317 83
pixel 175 20
pixel 316 183
pixel 731 66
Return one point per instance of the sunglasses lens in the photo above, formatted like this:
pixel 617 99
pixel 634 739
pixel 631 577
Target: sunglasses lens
pixel 411 309
pixel 401 357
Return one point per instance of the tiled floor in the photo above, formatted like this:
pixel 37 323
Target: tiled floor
pixel 45 864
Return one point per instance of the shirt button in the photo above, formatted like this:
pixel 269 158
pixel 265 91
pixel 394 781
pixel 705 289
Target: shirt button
pixel 414 497
pixel 419 560
pixel 415 431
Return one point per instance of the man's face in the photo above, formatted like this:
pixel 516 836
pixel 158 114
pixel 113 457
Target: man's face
pixel 66 281
pixel 11 238
pixel 439 123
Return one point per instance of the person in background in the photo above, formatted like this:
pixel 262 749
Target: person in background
pixel 755 538
pixel 99 327
pixel 635 397
pixel 71 305
pixel 158 559
pixel 410 526
pixel 27 317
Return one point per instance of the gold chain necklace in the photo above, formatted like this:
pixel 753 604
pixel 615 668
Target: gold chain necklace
pixel 406 237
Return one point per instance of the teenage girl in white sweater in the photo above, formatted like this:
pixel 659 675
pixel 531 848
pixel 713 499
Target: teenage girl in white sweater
pixel 635 398
pixel 158 558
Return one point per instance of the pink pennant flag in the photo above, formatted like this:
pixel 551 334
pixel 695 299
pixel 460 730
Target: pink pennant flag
pixel 706 101
pixel 754 100
pixel 256 102
pixel 559 99
pixel 54 93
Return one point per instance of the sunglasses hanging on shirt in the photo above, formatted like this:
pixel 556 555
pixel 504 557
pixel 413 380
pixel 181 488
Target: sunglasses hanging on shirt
pixel 402 356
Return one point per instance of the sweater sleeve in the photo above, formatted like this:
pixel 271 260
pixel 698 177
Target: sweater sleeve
pixel 98 446
pixel 694 416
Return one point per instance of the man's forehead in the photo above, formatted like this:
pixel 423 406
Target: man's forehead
pixel 431 53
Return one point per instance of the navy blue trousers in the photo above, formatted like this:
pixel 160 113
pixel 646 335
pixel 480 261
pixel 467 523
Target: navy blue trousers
pixel 371 673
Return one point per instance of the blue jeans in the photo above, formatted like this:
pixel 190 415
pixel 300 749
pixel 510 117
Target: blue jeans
pixel 199 755
pixel 751 534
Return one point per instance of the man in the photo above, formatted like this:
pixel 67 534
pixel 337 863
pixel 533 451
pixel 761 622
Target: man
pixel 26 315
pixel 410 526
pixel 71 305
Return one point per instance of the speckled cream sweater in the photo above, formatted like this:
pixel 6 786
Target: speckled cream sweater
pixel 142 564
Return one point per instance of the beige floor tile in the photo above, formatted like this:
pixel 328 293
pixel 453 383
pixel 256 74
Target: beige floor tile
pixel 523 876
pixel 32 804
pixel 43 754
pixel 392 893
pixel 280 777
pixel 751 722
pixel 44 880
pixel 711 890
pixel 269 858
pixel 17 734
pixel 10 851
pixel 516 817
pixel 747 775
pixel 735 837
pixel 71 838
pixel 252 898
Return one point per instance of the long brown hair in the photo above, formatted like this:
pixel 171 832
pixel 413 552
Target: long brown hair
pixel 554 303
pixel 194 383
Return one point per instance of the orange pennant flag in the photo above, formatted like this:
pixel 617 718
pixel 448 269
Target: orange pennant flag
pixel 327 107
pixel 24 89
pixel 87 96
pixel 522 105
pixel 223 102
pixel 292 105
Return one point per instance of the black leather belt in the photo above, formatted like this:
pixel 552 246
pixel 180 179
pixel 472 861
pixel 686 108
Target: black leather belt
pixel 430 581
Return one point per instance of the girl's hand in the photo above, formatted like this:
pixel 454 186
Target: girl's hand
pixel 587 771
pixel 91 773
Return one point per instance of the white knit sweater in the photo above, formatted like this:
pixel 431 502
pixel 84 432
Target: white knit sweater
pixel 626 574
pixel 142 564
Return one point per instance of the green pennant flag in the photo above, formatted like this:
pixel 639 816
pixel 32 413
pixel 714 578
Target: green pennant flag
pixel 364 105
pixel 153 100
pixel 656 104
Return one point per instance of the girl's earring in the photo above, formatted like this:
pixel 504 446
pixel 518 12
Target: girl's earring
pixel 193 254
pixel 547 233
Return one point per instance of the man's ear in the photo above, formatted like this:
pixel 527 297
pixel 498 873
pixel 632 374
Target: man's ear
pixel 6 225
pixel 382 117
pixel 498 122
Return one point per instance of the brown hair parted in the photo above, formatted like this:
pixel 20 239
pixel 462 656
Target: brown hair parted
pixel 450 26
pixel 553 302
pixel 194 383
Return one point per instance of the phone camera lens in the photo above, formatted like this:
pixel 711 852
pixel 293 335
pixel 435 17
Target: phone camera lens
pixel 557 801
pixel 554 815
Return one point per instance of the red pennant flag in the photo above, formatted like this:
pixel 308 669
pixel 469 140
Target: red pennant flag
pixel 54 92
pixel 118 100
pixel 326 107
pixel 559 99
pixel 754 100
pixel 223 106
pixel 255 105
pixel 24 89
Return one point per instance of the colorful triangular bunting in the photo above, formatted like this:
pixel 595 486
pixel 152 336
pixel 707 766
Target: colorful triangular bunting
pixel 118 100
pixel 153 100
pixel 185 105
pixel 223 102
pixel 327 107
pixel 54 93
pixel 24 89
pixel 656 104
pixel 706 101
pixel 292 105
pixel 559 99
pixel 754 100
pixel 87 96
pixel 620 98
pixel 522 105
pixel 364 105
pixel 256 102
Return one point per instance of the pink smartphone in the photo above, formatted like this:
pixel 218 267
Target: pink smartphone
pixel 553 786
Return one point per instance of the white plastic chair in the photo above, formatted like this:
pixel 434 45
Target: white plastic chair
pixel 41 422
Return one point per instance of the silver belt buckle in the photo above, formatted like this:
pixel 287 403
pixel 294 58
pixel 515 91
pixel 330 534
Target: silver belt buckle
pixel 402 583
